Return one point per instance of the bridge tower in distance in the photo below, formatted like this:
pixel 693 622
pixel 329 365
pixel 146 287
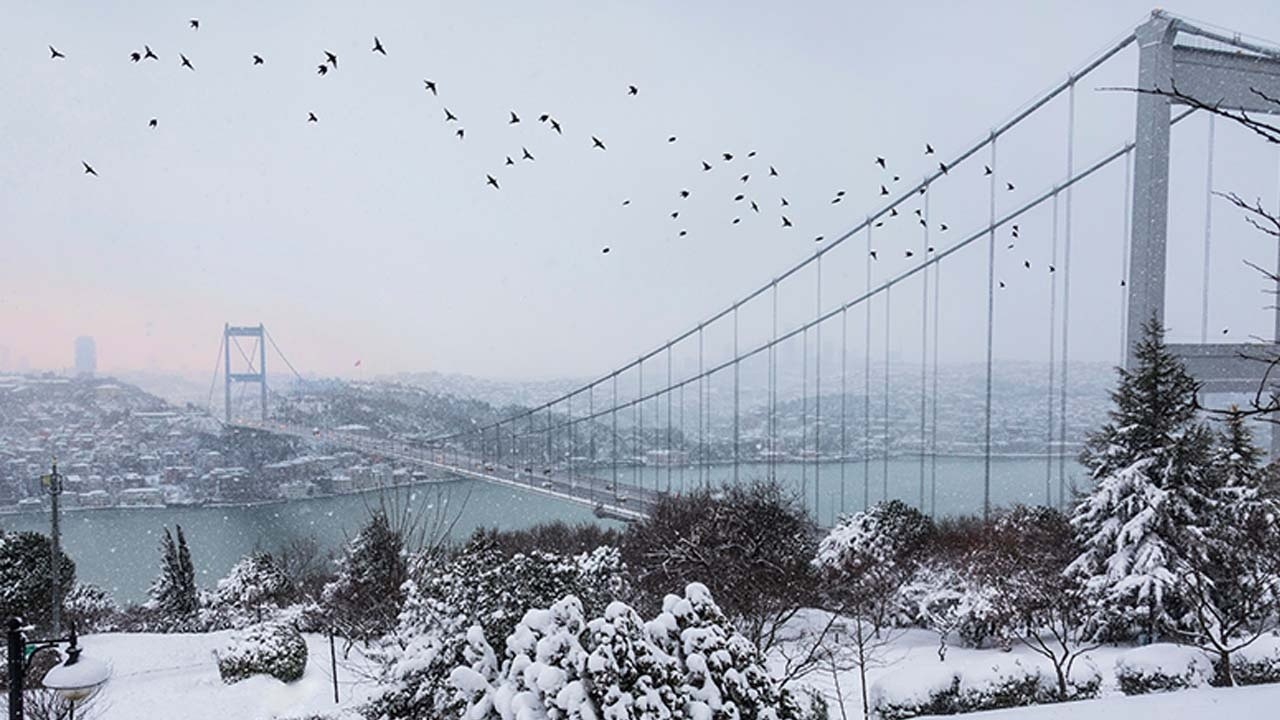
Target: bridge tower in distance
pixel 230 333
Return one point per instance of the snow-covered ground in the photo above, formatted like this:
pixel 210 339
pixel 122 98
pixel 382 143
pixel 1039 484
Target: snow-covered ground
pixel 171 676
pixel 156 676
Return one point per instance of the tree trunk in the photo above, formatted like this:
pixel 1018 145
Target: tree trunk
pixel 1225 677
pixel 1062 682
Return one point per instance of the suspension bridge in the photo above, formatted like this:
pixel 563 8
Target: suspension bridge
pixel 717 402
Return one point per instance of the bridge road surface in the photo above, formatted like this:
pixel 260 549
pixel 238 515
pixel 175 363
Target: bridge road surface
pixel 629 503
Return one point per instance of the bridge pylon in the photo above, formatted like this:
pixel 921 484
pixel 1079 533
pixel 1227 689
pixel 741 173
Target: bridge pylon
pixel 230 333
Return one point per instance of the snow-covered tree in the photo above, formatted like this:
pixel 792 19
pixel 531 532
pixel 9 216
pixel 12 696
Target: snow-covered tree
pixel 365 598
pixel 91 608
pixel 173 595
pixel 1139 525
pixel 26 576
pixel 255 584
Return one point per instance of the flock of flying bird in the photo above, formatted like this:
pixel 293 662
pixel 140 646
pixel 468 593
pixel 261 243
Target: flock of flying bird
pixel 330 64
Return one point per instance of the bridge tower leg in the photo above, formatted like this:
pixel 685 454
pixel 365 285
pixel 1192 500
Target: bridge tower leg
pixel 229 335
pixel 1238 78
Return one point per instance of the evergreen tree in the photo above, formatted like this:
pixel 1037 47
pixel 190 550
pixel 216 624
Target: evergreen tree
pixel 26 576
pixel 365 598
pixel 255 583
pixel 1140 526
pixel 173 594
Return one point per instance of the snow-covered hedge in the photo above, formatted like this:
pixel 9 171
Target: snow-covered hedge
pixel 1257 663
pixel 687 662
pixel 1161 667
pixel 939 689
pixel 274 649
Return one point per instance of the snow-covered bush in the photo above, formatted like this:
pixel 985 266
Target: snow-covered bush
pixel 274 649
pixel 254 586
pixel 91 608
pixel 687 662
pixel 950 689
pixel 1161 667
pixel 26 575
pixel 1257 663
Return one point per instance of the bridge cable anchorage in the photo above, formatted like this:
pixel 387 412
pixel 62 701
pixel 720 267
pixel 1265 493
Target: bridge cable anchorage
pixel 866 390
pixel 1208 232
pixel 924 347
pixel 817 400
pixel 1053 329
pixel 991 313
pixel 1066 298
pixel 1026 111
pixel 888 324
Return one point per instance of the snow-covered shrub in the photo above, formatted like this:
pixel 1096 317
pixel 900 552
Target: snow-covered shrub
pixel 91 608
pixel 953 602
pixel 1161 667
pixel 274 649
pixel 254 586
pixel 1257 663
pixel 26 575
pixel 951 690
pixel 687 662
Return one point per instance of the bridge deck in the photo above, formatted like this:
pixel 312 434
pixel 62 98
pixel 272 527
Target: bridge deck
pixel 623 503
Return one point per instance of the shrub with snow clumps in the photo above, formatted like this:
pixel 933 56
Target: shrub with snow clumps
pixel 273 649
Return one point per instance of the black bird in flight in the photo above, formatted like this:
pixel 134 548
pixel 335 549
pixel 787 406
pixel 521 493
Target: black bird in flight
pixel 683 233
pixel 706 167
pixel 737 220
pixel 1002 284
pixel 754 206
pixel 818 239
pixel 1051 268
pixel 785 222
pixel 893 212
pixel 595 142
pixel 923 223
pixel 928 149
pixel 918 213
pixel 1010 246
pixel 1009 186
pixel 604 251
pixel 461 133
pixel 880 223
pixel 839 193
pixel 784 202
pixel 909 253
pixel 896 178
pixel 525 154
pixel 1015 231
pixel 943 168
pixel 322 69
pixel 684 193
pixel 153 123
pixel 772 172
pixel 311 117
pixel 632 90
pixel 671 139
pixel 727 156
pixel 835 200
pixel 185 62
pixel 514 118
pixel 257 60
pixel 739 198
pixel 884 190
pixel 556 126
pixel 492 182
pixel 1225 330
pixel 147 54
pixel 543 117
pixel 986 170
pixel 448 116
pixel 745 178
pixel 873 255
pixel 431 86
pixel 626 202
pixel 135 56
pixel 751 154
pixel 675 214
pixel 1026 264
pixel 194 23
pixel 880 162
pixel 510 161
pixel 331 58
pixel 88 169
pixel 54 54
pixel 377 45
pixel 942 227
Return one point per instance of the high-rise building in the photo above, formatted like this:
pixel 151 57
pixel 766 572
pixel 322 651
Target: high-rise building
pixel 86 356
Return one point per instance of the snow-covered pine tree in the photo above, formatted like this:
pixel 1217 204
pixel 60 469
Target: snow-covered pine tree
pixel 1139 524
pixel 365 598
pixel 255 583
pixel 173 593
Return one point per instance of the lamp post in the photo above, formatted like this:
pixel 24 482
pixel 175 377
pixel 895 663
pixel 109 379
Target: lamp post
pixel 53 485
pixel 75 679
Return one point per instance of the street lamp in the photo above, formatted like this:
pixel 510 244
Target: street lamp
pixel 75 679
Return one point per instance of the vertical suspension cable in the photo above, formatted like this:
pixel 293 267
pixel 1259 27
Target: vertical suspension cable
pixel 866 390
pixel 887 325
pixel 991 309
pixel 591 430
pixel 736 396
pixel 844 400
pixel 1208 231
pixel 933 424
pixel 773 391
pixel 804 412
pixel 572 437
pixel 684 442
pixel 1066 298
pixel 669 457
pixel 1124 259
pixel 702 437
pixel 614 412
pixel 817 400
pixel 1053 320
pixel 637 429
pixel 924 344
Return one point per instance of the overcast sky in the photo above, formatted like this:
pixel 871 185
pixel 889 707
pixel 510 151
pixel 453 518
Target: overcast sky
pixel 372 235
